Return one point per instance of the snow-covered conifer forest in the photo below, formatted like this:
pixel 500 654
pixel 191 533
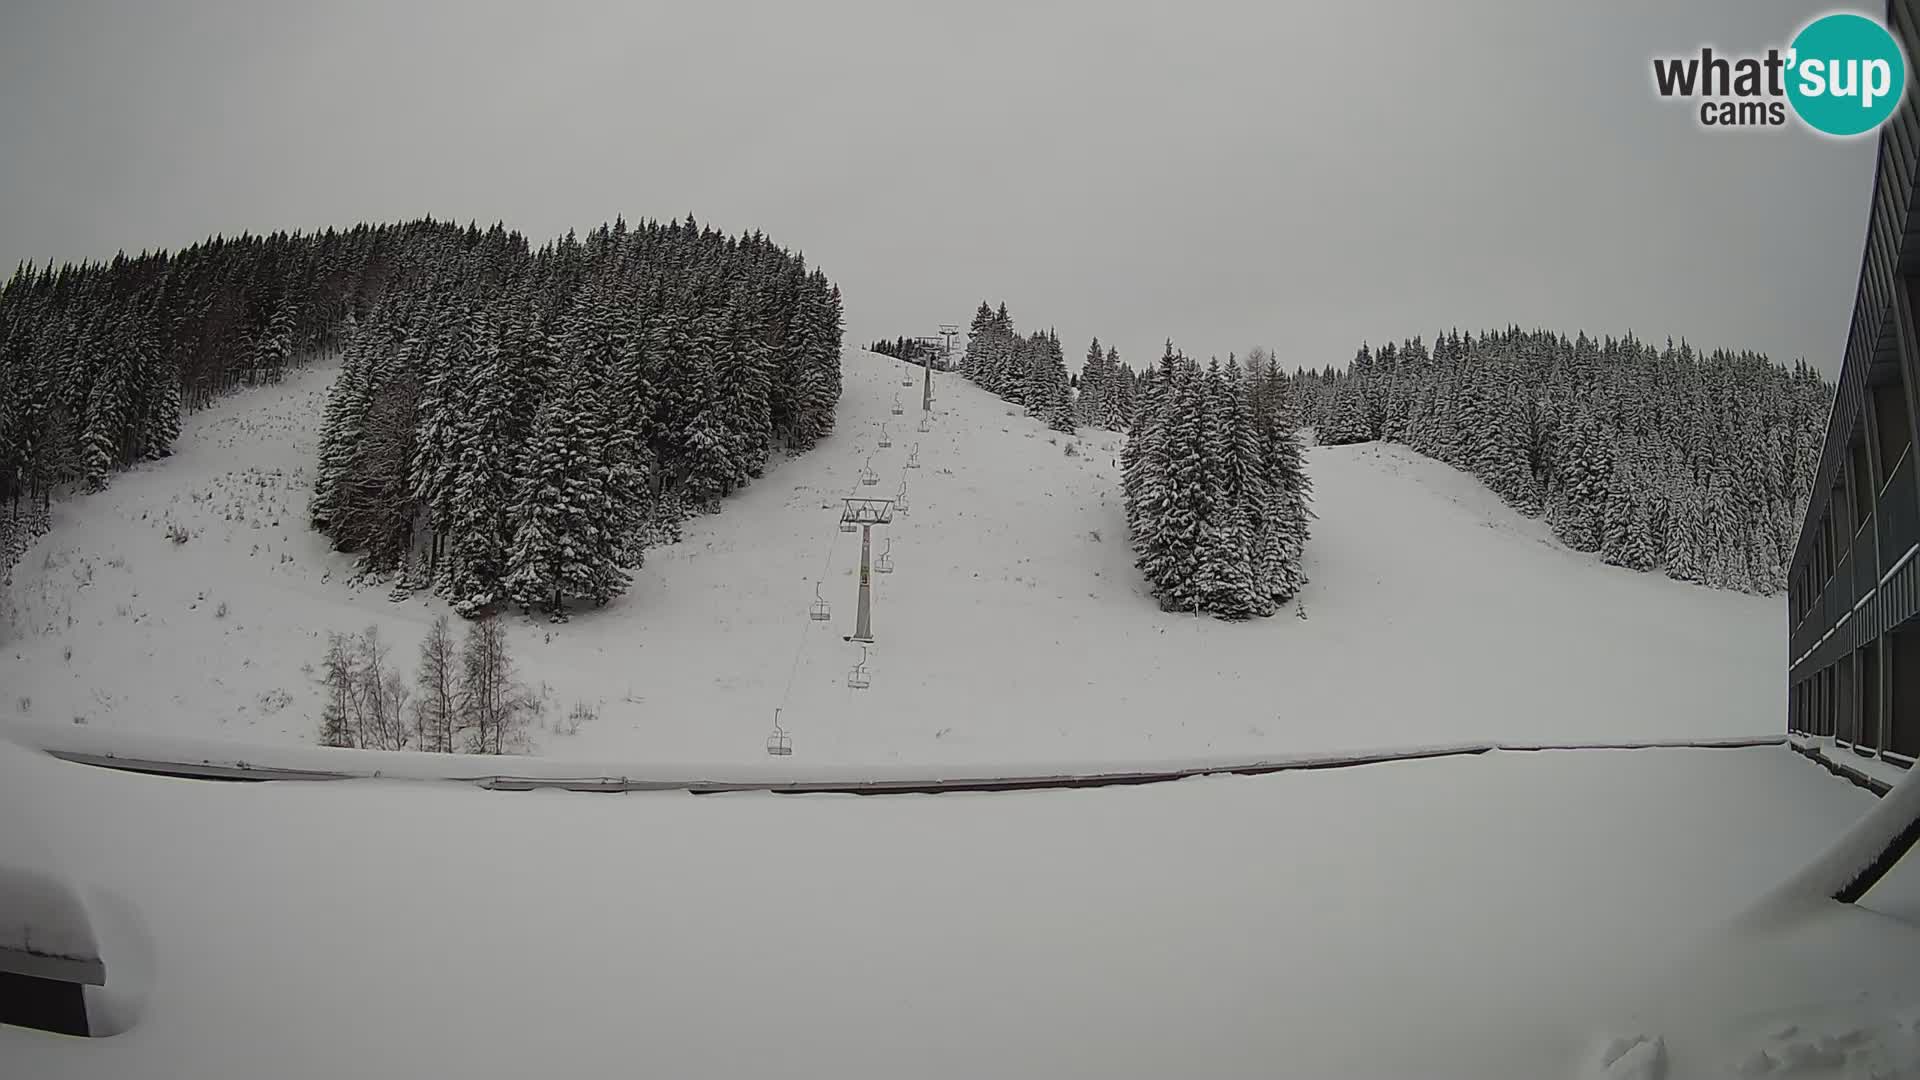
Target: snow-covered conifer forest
pixel 1027 370
pixel 508 425
pixel 1695 464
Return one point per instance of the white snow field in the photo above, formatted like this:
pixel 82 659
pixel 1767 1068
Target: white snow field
pixel 1510 915
pixel 1013 629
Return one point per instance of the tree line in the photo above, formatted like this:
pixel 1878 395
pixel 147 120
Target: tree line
pixel 1698 465
pixel 1027 370
pixel 99 360
pixel 911 351
pixel 518 427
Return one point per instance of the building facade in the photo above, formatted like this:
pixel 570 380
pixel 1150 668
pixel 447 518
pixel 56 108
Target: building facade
pixel 1854 584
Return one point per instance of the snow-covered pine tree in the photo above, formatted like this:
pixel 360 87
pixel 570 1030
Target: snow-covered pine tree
pixel 109 410
pixel 1119 394
pixel 1345 420
pixel 1279 558
pixel 1090 403
pixel 556 526
pixel 1238 520
pixel 973 362
pixel 1051 396
pixel 1146 461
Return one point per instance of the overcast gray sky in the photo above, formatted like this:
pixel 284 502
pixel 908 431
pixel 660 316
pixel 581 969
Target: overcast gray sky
pixel 1225 174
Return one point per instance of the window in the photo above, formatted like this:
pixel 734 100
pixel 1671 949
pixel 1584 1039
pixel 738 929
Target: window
pixel 1844 728
pixel 1895 430
pixel 1868 665
pixel 1860 478
pixel 1903 697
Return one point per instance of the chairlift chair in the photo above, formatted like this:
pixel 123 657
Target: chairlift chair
pixel 819 610
pixel 884 564
pixel 868 477
pixel 913 459
pixel 906 375
pixel 925 424
pixel 859 678
pixel 886 439
pixel 900 500
pixel 897 407
pixel 779 743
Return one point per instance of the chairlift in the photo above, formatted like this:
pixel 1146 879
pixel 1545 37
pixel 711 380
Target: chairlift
pixel 897 407
pixel 913 459
pixel 859 678
pixel 868 478
pixel 819 610
pixel 886 439
pixel 884 564
pixel 779 743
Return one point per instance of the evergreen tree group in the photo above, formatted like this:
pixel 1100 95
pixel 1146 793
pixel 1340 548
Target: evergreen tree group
pixel 1105 390
pixel 98 361
pixel 1697 465
pixel 1027 370
pixel 507 426
pixel 1215 487
pixel 514 427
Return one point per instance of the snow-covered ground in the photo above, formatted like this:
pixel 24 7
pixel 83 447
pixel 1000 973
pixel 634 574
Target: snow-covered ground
pixel 1500 916
pixel 1014 628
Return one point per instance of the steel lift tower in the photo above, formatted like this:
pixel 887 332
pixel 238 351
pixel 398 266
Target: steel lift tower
pixel 866 513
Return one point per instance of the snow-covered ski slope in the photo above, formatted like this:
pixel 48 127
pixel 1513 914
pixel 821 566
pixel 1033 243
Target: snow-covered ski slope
pixel 1014 627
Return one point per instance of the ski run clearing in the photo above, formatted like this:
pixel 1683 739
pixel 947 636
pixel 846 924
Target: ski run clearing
pixel 1013 629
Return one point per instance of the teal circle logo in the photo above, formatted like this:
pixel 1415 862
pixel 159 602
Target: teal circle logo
pixel 1846 74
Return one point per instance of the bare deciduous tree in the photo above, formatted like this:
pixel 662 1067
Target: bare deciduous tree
pixel 496 707
pixel 342 685
pixel 437 713
pixel 383 696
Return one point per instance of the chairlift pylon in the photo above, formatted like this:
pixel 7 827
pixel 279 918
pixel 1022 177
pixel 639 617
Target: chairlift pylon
pixel 819 610
pixel 868 477
pixel 779 743
pixel 884 564
pixel 886 439
pixel 859 678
